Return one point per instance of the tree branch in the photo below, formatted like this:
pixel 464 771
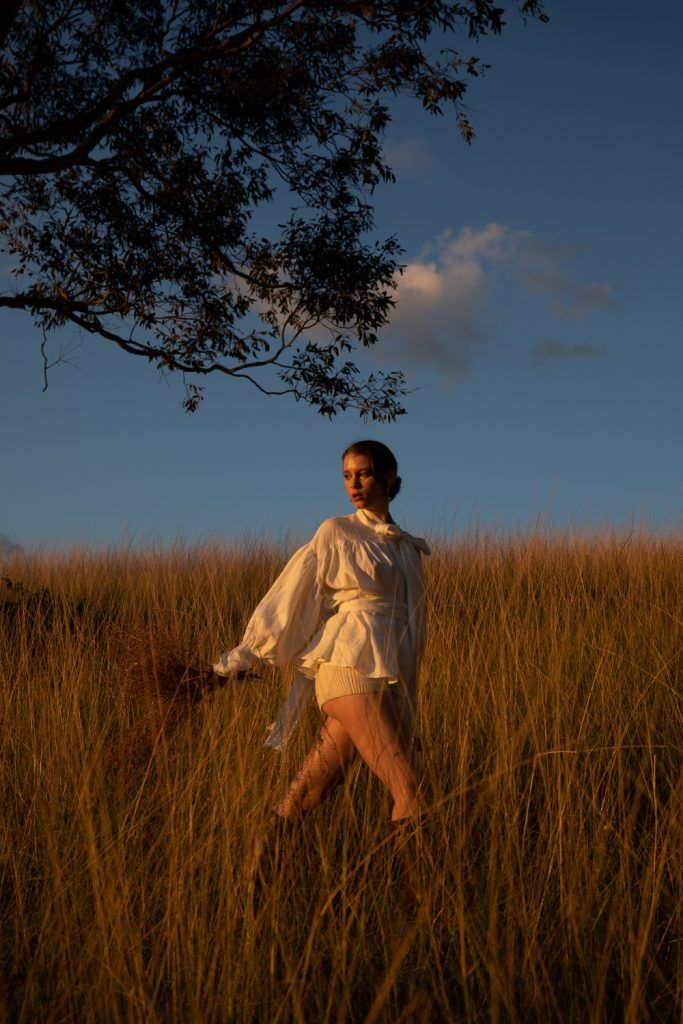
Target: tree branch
pixel 170 68
pixel 161 355
pixel 8 13
pixel 63 356
pixel 142 143
pixel 264 391
pixel 35 302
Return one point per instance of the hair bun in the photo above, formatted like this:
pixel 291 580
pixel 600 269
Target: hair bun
pixel 395 488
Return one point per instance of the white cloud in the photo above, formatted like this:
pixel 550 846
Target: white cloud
pixel 584 298
pixel 422 279
pixel 449 302
pixel 411 158
pixel 550 350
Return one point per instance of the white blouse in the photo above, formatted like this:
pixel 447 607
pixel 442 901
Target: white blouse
pixel 351 596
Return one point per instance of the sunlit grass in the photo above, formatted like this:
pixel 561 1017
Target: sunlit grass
pixel 552 725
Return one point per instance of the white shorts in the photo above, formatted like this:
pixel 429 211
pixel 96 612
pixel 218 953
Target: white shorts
pixel 340 681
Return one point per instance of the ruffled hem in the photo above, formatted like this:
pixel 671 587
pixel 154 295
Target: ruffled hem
pixel 364 641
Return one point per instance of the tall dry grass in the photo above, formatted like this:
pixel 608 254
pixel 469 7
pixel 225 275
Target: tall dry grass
pixel 552 723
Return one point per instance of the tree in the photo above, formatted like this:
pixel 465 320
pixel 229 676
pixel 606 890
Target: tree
pixel 142 146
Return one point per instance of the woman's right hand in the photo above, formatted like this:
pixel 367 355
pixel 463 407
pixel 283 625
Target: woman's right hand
pixel 239 663
pixel 215 680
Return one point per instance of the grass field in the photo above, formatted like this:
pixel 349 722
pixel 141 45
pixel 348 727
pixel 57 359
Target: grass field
pixel 552 722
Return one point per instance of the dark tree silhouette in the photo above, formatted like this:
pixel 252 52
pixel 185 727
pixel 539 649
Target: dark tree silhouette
pixel 142 145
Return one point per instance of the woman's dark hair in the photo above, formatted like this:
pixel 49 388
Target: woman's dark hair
pixel 383 462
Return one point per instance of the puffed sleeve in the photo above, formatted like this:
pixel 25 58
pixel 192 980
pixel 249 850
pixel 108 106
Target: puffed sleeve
pixel 283 620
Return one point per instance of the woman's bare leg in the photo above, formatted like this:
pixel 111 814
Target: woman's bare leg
pixel 324 767
pixel 372 723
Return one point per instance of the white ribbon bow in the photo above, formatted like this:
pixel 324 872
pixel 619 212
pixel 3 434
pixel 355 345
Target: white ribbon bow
pixel 392 530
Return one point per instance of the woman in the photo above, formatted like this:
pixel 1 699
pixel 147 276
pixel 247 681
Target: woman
pixel 361 575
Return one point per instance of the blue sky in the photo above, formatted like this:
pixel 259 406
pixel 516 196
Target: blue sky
pixel 539 322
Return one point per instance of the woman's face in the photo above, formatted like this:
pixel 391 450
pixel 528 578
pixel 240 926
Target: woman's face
pixel 362 486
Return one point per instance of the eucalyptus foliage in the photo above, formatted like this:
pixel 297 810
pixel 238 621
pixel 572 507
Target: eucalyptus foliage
pixel 193 181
